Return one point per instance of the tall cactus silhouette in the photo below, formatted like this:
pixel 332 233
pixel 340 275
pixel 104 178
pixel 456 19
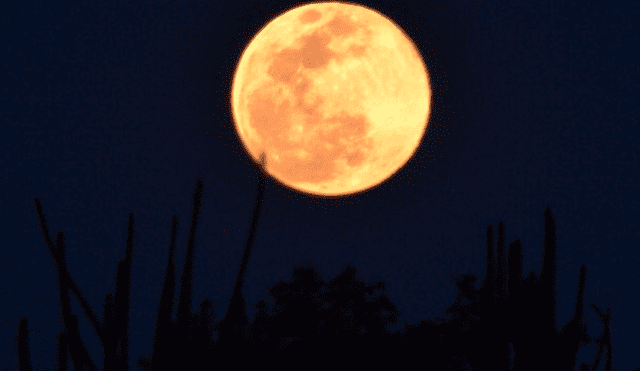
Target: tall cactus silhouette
pixel 604 339
pixel 183 324
pixel 489 282
pixel 175 342
pixel 515 267
pixel 111 340
pixel 122 301
pixel 501 282
pixel 574 334
pixel 164 324
pixel 548 272
pixel 537 309
pixel 24 356
pixel 234 324
pixel 186 280
pixel 79 354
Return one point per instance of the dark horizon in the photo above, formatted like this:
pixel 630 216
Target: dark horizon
pixel 116 109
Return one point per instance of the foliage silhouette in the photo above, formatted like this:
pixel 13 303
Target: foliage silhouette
pixel 314 323
pixel 323 318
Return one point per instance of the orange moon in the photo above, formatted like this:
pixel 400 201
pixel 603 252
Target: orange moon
pixel 335 95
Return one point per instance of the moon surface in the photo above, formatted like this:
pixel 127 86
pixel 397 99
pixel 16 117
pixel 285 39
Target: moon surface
pixel 335 95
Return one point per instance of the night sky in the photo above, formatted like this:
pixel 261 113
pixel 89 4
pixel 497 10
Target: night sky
pixel 112 107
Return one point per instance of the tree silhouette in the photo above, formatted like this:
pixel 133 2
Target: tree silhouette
pixel 324 318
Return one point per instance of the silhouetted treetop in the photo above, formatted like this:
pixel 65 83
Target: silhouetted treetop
pixel 307 307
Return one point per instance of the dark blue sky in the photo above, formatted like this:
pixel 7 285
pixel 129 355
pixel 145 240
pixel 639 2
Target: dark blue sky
pixel 109 108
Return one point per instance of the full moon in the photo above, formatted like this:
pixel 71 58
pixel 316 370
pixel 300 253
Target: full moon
pixel 335 95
